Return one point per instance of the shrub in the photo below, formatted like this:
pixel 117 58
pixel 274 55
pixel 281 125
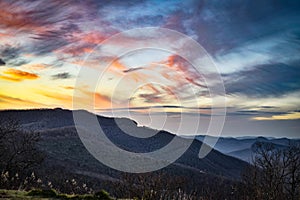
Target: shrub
pixel 102 195
pixel 43 193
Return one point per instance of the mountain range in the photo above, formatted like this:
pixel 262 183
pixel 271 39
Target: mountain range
pixel 242 147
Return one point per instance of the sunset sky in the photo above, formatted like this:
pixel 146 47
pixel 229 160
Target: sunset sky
pixel 254 44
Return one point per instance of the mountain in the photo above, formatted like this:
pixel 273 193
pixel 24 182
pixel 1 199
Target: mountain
pixel 242 147
pixel 65 151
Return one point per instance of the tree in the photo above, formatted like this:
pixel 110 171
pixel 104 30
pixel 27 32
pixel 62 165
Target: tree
pixel 292 172
pixel 275 173
pixel 18 148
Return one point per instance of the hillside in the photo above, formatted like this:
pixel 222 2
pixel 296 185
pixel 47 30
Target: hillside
pixel 64 149
pixel 67 158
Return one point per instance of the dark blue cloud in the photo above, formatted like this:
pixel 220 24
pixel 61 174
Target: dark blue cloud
pixel 265 80
pixel 227 24
pixel 2 62
pixel 8 52
pixel 11 56
pixel 64 75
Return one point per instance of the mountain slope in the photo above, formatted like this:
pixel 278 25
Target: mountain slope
pixel 65 150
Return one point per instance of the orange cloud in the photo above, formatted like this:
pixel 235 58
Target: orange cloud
pixel 178 64
pixel 77 50
pixel 93 38
pixel 102 101
pixel 8 78
pixel 119 66
pixel 18 75
pixel 68 87
pixel 9 101
pixel 64 99
pixel 59 97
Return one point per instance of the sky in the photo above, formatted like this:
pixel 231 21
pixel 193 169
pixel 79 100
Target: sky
pixel 254 44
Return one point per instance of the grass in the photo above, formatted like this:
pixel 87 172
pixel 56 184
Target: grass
pixel 49 195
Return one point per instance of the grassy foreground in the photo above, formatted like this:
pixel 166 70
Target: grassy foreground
pixel 49 195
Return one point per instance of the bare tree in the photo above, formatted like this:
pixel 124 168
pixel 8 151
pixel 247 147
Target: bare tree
pixel 275 173
pixel 18 149
pixel 292 172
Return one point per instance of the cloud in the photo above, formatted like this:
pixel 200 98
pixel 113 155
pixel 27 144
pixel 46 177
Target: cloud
pixel 35 66
pixel 257 52
pixel 8 52
pixel 63 98
pixel 132 69
pixel 6 100
pixel 95 37
pixel 102 101
pixel 189 73
pixel 55 38
pixel 2 62
pixel 64 75
pixel 47 26
pixel 124 16
pixel 154 94
pixel 26 16
pixel 11 55
pixel 80 42
pixel 13 16
pixel 264 80
pixel 77 49
pixel 18 75
pixel 68 87
pixel 130 108
pixel 231 24
pixel 256 112
pixel 268 107
pixel 287 116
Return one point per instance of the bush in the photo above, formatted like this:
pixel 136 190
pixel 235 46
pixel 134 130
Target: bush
pixel 78 197
pixel 102 195
pixel 42 193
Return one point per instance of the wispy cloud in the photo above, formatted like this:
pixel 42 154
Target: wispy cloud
pixel 6 100
pixel 287 116
pixel 35 66
pixel 256 52
pixel 264 80
pixel 62 98
pixel 132 69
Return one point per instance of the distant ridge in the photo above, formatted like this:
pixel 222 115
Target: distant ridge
pixel 241 147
